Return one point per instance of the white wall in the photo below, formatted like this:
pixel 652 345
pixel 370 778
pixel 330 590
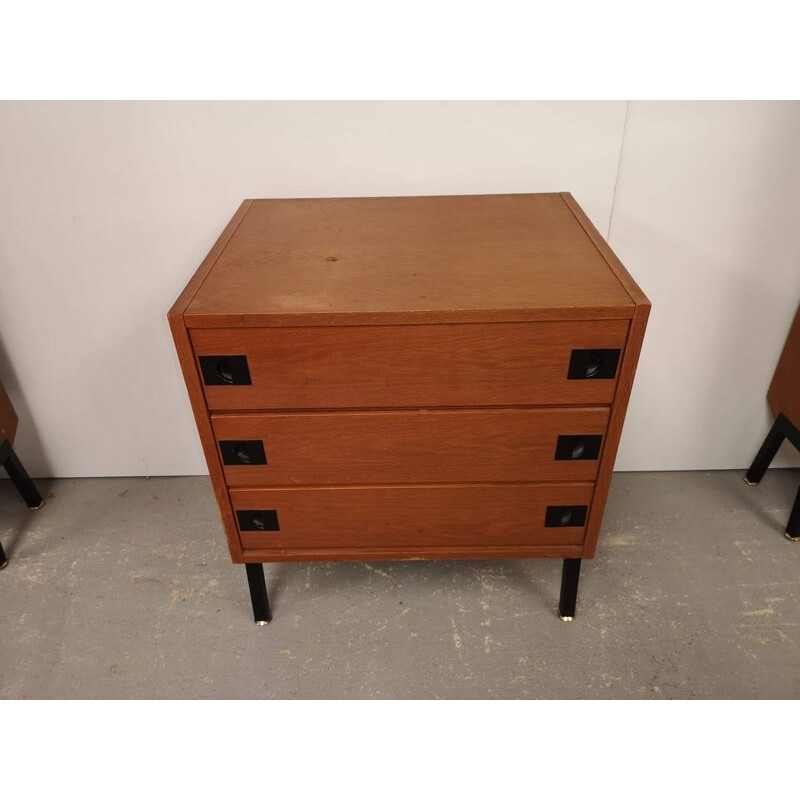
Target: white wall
pixel 106 209
pixel 707 217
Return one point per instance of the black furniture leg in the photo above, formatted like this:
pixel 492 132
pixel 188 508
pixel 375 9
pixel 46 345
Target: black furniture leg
pixel 765 455
pixel 569 588
pixel 20 478
pixel 793 525
pixel 782 428
pixel 258 593
pixel 3 559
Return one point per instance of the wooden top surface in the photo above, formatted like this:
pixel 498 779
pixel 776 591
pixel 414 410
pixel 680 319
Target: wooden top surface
pixel 409 259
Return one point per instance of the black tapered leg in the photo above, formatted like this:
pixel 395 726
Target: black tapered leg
pixel 3 559
pixel 793 525
pixel 569 588
pixel 764 457
pixel 20 478
pixel 258 593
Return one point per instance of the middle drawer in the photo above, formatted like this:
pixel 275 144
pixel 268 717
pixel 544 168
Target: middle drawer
pixel 391 447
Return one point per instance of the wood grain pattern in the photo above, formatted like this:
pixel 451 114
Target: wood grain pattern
pixel 627 373
pixel 412 554
pixel 180 306
pixel 194 386
pixel 408 517
pixel 411 447
pixel 411 365
pixel 608 454
pixel 609 256
pixel 408 358
pixel 784 390
pixel 400 260
pixel 8 418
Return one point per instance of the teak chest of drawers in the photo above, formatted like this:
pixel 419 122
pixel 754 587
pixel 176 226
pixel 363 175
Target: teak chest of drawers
pixel 410 378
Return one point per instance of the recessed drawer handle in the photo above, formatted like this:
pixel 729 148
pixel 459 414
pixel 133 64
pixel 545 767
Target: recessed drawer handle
pixel 593 364
pixel 225 370
pixel 565 516
pixel 592 368
pixel 578 448
pixel 258 520
pixel 243 453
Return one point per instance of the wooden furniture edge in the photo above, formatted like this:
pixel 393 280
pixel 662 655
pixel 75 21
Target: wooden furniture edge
pixel 8 417
pixel 392 318
pixel 628 367
pixel 781 385
pixel 429 408
pixel 616 266
pixel 341 487
pixel 389 411
pixel 183 346
pixel 619 407
pixel 413 554
pixel 187 361
pixel 201 273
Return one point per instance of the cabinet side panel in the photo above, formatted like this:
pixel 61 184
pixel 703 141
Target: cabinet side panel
pixel 187 360
pixel 784 391
pixel 188 363
pixel 8 417
pixel 630 359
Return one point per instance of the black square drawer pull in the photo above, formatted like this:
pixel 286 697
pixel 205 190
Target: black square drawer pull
pixel 245 452
pixel 225 370
pixel 593 364
pixel 565 516
pixel 578 448
pixel 261 520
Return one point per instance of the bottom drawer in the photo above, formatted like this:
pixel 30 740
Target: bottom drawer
pixel 412 516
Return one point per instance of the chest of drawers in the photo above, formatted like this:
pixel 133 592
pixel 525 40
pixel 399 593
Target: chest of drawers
pixel 410 378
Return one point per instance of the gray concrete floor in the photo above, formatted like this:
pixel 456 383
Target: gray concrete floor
pixel 123 588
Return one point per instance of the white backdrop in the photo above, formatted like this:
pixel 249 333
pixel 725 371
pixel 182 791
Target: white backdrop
pixel 106 209
pixel 707 217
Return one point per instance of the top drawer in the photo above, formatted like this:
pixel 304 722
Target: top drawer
pixel 529 363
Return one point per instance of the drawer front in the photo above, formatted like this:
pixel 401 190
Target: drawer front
pixel 505 364
pixel 410 446
pixel 412 516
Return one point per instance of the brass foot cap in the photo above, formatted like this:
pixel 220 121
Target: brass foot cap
pixel 792 538
pixel 566 619
pixel 36 508
pixel 751 483
pixel 262 622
